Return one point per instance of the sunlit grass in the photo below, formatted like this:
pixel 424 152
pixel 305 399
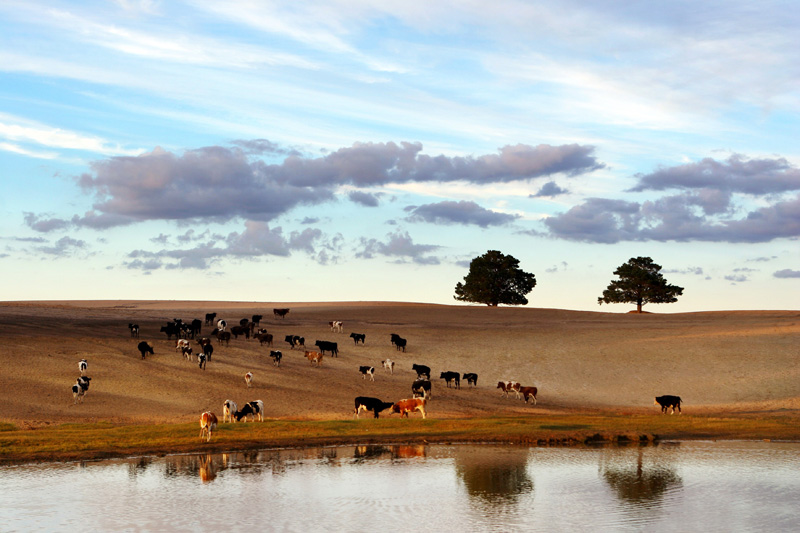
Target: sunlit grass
pixel 101 440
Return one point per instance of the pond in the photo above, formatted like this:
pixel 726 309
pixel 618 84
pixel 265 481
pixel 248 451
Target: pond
pixel 672 486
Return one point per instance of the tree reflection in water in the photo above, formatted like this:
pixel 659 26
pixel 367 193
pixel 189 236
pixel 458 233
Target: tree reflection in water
pixel 493 474
pixel 643 475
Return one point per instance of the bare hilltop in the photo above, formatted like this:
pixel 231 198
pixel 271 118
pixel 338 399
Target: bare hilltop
pixel 745 362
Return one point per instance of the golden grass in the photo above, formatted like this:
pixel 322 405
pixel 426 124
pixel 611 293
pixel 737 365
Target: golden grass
pixel 105 440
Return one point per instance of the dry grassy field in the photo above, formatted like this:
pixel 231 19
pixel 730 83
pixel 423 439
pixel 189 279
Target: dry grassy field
pixel 718 362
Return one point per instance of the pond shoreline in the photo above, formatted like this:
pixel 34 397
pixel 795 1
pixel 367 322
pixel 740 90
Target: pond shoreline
pixel 83 442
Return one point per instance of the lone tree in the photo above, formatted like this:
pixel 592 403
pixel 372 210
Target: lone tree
pixel 640 282
pixel 495 279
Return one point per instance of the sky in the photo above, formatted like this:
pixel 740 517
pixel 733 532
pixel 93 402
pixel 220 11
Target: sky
pixel 361 150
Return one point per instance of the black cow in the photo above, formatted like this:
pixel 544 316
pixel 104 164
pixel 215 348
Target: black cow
pixel 280 312
pixel 400 343
pixel 276 357
pixel 210 318
pixel 208 349
pixel 393 337
pixel 171 329
pixel 145 347
pixel 196 327
pixel 327 346
pixel 358 337
pixel 669 402
pixel 451 377
pixel 421 371
pixel 134 329
pixel 421 387
pixel 257 319
pixel 240 330
pixel 295 340
pixel 367 371
pixel 471 378
pixel 365 403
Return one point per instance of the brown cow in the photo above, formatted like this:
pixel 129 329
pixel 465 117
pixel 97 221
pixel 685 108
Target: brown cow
pixel 528 393
pixel 314 357
pixel 506 386
pixel 409 406
pixel 208 423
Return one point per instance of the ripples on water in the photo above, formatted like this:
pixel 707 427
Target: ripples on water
pixel 690 486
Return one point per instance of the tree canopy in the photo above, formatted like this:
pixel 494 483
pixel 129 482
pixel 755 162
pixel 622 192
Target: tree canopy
pixel 495 278
pixel 640 282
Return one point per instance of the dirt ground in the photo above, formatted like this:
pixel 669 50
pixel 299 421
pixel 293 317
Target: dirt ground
pixel 746 362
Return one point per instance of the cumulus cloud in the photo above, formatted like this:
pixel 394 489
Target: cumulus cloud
pixel 400 246
pixel 364 198
pixel 787 273
pixel 462 212
pixel 548 190
pixel 221 183
pixel 736 174
pixel 255 241
pixel 63 247
pixel 684 217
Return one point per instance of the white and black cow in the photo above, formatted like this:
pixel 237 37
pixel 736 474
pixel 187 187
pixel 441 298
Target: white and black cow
pixel 82 366
pixel 471 378
pixel 367 371
pixel 254 409
pixel 202 360
pixel 248 379
pixel 276 357
pixel 228 410
pixel 388 364
pixel 422 371
pixel 365 403
pixel 421 387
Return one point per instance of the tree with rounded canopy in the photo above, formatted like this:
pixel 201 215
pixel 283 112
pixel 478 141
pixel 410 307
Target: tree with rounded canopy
pixel 495 278
pixel 640 282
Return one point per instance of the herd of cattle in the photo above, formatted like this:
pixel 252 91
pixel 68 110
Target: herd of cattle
pixel 421 388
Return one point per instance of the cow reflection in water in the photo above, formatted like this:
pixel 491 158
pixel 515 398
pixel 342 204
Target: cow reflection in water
pixel 374 451
pixel 494 474
pixel 207 470
pixel 641 474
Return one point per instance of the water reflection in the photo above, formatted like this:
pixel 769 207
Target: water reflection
pixel 636 478
pixel 494 474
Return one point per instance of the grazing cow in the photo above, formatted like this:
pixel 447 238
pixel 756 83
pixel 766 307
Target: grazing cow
pixel 449 377
pixel 528 393
pixel 228 408
pixel 508 386
pixel 421 387
pixel 201 360
pixel 208 423
pixel 327 346
pixel 336 326
pixel 222 336
pixel 134 329
pixel 280 312
pixel 210 317
pixel 180 344
pixel 470 378
pixel 276 357
pixel 171 329
pixel 244 322
pixel 264 338
pixel 409 406
pixel 388 364
pixel 83 383
pixel 256 319
pixel 77 394
pixel 221 325
pixel 145 347
pixel 400 344
pixel 421 371
pixel 669 402
pixel 254 409
pixel 314 357
pixel 358 337
pixel 295 340
pixel 365 403
pixel 240 330
pixel 248 379
pixel 82 366
pixel 367 371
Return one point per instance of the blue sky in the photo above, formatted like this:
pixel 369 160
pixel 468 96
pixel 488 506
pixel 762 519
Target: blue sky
pixel 361 150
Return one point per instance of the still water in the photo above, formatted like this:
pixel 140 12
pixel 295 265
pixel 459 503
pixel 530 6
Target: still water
pixel 674 486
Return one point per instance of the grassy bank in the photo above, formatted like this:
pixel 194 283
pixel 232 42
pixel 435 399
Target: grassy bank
pixel 105 440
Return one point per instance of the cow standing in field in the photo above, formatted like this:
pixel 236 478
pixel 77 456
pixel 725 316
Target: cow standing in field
pixel 422 371
pixel 145 348
pixel 208 423
pixel 669 402
pixel 314 358
pixel 421 387
pixel 508 386
pixel 254 409
pixel 367 371
pixel 409 406
pixel 228 409
pixel 276 357
pixel 388 364
pixel 453 377
pixel 82 366
pixel 280 312
pixel 210 317
pixel 248 379
pixel 358 337
pixel 134 329
pixel 328 346
pixel 336 326
pixel 471 378
pixel 365 403
pixel 528 393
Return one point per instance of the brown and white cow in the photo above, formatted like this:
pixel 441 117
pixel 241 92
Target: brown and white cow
pixel 508 386
pixel 409 406
pixel 208 423
pixel 228 409
pixel 248 379
pixel 528 393
pixel 337 326
pixel 314 357
pixel 388 364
